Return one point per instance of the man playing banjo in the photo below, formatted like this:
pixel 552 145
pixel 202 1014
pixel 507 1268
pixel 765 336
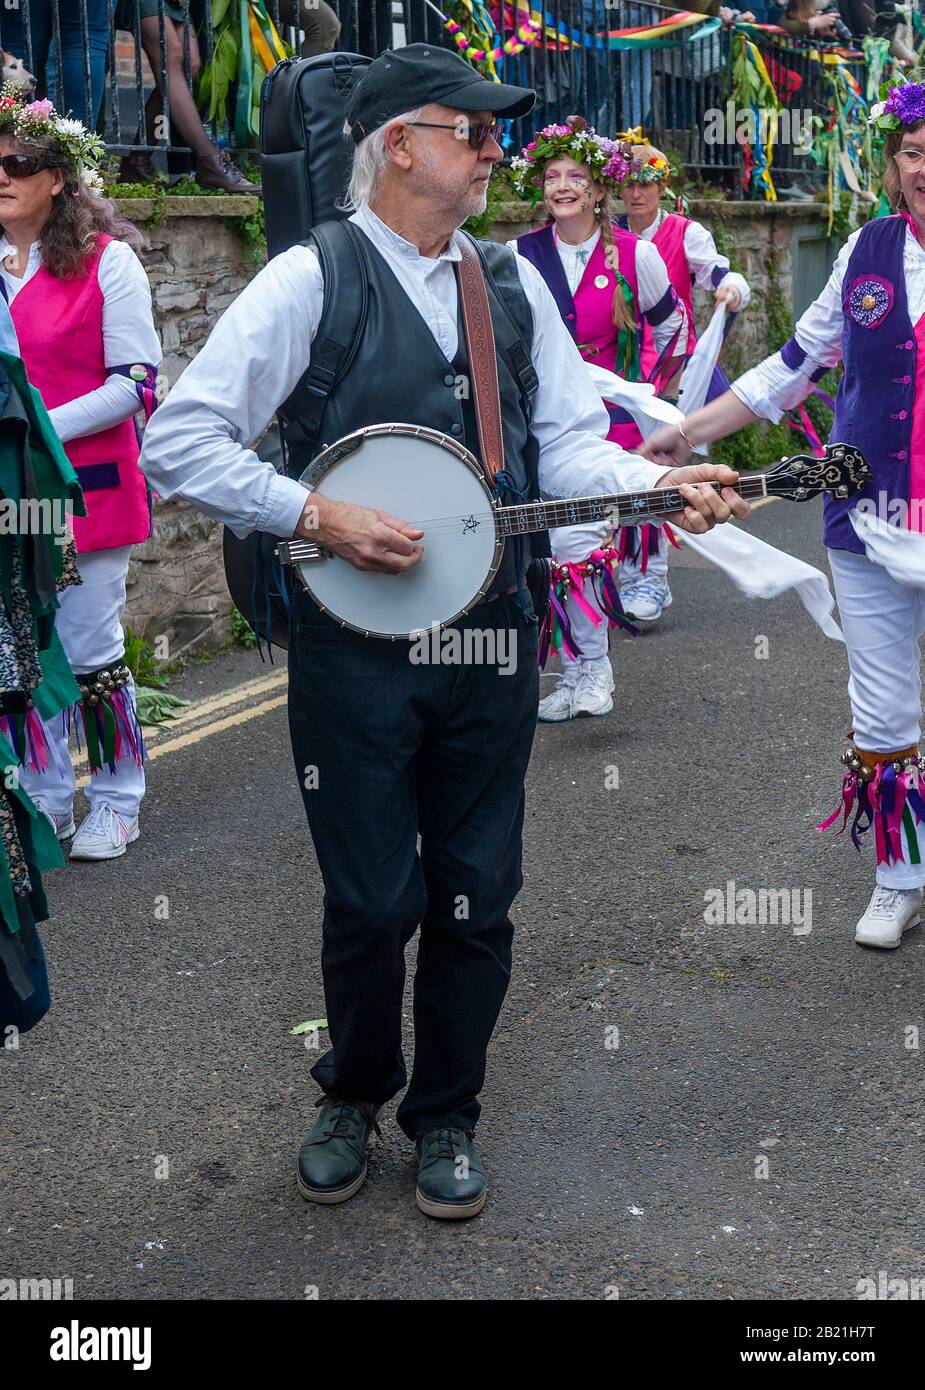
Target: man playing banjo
pixel 398 748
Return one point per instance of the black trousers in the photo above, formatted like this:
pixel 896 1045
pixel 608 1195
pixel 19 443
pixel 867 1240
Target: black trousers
pixel 386 750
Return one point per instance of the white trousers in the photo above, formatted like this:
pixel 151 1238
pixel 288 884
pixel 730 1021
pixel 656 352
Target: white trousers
pixel 883 622
pixel 89 623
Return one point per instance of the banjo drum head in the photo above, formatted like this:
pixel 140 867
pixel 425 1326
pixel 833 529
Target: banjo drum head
pixel 432 482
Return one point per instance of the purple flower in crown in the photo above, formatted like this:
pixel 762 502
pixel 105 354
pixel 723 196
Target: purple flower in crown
pixel 869 300
pixel 907 103
pixel 616 167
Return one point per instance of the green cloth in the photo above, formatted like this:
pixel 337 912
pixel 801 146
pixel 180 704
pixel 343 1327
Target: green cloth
pixel 58 688
pixel 33 465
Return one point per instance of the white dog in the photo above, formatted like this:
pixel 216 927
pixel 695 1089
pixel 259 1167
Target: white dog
pixel 15 71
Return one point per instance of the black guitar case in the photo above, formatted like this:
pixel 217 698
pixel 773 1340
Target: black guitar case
pixel 305 161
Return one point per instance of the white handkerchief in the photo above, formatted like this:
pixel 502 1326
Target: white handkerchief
pixel 762 571
pixel 698 373
pixel 900 552
pixel 648 410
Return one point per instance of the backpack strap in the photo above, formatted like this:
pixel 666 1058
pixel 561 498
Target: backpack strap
pixel 336 342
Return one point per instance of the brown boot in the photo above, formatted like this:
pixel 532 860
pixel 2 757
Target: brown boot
pixel 218 171
pixel 138 167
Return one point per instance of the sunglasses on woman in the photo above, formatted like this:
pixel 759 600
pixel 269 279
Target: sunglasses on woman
pixel 21 166
pixel 477 132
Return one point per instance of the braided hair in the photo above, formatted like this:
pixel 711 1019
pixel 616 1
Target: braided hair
pixel 621 313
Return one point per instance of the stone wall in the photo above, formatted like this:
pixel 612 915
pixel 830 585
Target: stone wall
pixel 197 264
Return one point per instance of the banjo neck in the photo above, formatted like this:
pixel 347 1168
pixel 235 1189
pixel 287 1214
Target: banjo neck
pixel 620 509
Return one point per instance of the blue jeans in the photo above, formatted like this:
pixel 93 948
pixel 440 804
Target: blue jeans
pixel 41 26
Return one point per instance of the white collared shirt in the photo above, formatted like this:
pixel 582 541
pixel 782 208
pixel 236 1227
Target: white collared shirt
pixel 703 257
pixel 772 387
pixel 129 336
pixel 197 443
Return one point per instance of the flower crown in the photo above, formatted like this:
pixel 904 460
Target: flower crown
pixel 649 171
pixel 22 120
pixel 608 160
pixel 899 106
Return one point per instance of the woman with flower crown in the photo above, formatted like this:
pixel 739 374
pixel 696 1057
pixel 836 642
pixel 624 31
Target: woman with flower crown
pixel 81 306
pixel 691 257
pixel 603 280
pixel 871 316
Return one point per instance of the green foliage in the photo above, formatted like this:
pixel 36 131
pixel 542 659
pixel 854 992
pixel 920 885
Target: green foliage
pixel 215 79
pixel 240 632
pixel 141 661
pixel 252 231
pixel 156 706
pixel 779 317
pixel 501 189
pixel 157 192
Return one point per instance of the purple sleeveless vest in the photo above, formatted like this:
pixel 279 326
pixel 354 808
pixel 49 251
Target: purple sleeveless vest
pixel 874 405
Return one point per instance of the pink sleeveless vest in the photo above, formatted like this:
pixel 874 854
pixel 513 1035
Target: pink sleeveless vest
pixel 59 324
pixel 597 335
pixel 669 242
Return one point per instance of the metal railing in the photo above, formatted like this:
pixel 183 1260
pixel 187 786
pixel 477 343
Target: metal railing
pixel 107 75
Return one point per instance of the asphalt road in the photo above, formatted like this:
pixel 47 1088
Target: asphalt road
pixel 757 1132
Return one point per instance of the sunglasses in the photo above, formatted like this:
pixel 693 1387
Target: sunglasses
pixel 477 132
pixel 22 166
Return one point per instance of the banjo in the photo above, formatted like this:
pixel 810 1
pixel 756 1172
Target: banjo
pixel 434 483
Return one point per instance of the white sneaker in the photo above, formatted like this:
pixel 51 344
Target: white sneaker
pixel 104 834
pixel 890 912
pixel 646 598
pixel 594 692
pixel 557 706
pixel 63 825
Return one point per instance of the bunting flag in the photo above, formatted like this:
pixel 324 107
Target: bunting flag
pixel 478 39
pixel 666 34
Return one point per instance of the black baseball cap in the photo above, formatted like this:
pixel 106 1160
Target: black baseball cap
pixel 402 78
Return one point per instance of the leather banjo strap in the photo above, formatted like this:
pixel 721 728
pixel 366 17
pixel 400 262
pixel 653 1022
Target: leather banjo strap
pixel 483 362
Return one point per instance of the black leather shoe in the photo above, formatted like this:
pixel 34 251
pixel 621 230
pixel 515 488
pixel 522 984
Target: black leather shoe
pixel 451 1180
pixel 217 171
pixel 332 1161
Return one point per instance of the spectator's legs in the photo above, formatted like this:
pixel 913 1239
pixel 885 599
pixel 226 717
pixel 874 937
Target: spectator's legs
pixel 184 114
pixel 74 100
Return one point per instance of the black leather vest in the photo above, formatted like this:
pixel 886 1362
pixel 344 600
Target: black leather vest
pixel 399 374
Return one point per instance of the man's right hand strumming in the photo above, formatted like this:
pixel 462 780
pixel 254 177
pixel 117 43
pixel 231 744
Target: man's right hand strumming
pixel 365 537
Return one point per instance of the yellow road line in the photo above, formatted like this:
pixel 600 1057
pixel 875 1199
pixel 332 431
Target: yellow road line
pixel 763 502
pixel 231 721
pixel 201 709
